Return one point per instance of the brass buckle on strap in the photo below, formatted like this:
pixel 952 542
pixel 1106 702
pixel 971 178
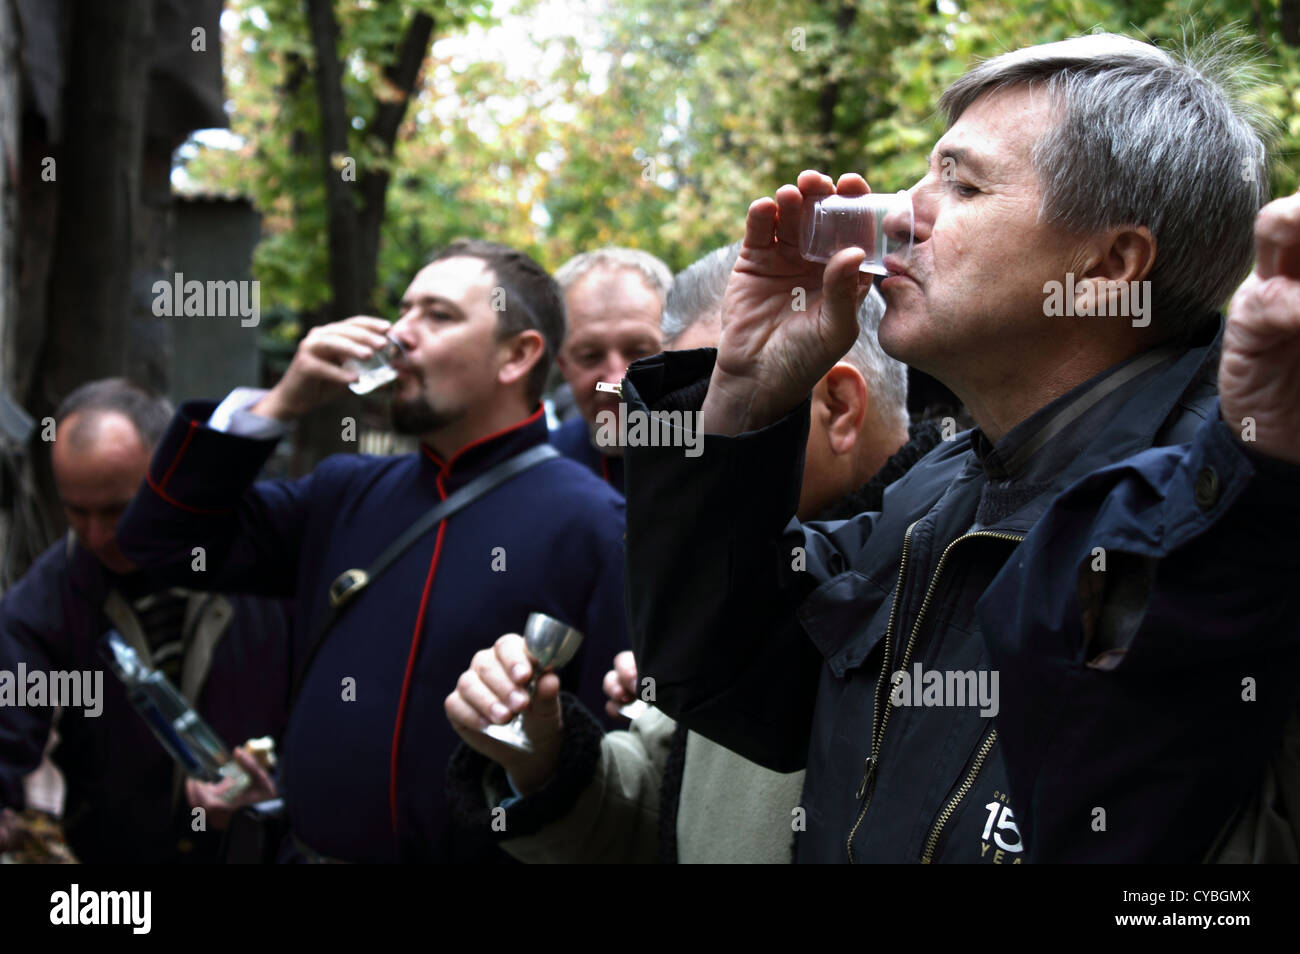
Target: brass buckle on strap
pixel 347 585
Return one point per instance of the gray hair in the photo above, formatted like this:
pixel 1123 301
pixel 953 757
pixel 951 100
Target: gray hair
pixel 1148 138
pixel 148 411
pixel 697 290
pixel 657 275
pixel 886 376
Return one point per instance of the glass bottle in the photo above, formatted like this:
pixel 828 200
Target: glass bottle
pixel 175 723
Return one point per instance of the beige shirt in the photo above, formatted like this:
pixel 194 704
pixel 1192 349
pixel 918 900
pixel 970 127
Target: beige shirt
pixel 730 809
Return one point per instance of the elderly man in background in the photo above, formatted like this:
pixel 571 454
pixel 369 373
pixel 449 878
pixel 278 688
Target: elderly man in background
pixel 613 301
pixel 229 655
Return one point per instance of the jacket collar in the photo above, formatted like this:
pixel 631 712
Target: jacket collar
pixel 1161 379
pixel 485 452
pixel 1056 432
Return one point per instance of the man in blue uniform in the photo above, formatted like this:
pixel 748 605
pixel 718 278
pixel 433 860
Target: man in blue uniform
pixel 229 655
pixel 613 298
pixel 366 749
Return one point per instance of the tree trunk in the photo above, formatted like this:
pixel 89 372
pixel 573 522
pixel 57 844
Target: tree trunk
pixel 355 207
pixel 354 225
pixel 388 118
pixel 1288 12
pixel 97 177
pixel 349 298
pixel 99 181
pixel 829 97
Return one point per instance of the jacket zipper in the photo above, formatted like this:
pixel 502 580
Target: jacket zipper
pixel 931 843
pixel 869 766
pixel 866 788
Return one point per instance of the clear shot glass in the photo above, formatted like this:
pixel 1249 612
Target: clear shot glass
pixel 879 223
pixel 377 370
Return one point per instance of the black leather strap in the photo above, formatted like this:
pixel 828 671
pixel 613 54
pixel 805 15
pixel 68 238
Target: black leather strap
pixel 351 582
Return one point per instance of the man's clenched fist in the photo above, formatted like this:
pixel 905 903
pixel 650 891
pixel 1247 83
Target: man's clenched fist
pixel 1259 373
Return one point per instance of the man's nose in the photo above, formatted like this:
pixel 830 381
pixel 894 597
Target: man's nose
pixel 100 532
pixel 925 200
pixel 403 330
pixel 615 366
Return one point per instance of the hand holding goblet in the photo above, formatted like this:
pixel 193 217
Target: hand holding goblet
pixel 550 644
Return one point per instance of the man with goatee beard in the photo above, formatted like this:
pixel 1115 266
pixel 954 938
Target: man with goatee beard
pixel 366 749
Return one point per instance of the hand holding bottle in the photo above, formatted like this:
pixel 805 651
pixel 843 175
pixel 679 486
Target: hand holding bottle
pixel 218 800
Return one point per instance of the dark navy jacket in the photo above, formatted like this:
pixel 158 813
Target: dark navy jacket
pixel 573 440
pixel 365 754
pixel 119 805
pixel 1139 696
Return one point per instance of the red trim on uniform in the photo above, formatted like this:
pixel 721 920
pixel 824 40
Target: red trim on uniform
pixel 410 668
pixel 424 604
pixel 189 435
pixel 427 451
pixel 518 425
pixel 167 498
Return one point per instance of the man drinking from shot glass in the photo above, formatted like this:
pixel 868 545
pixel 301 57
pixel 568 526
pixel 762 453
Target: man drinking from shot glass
pixel 367 743
pixel 1073 632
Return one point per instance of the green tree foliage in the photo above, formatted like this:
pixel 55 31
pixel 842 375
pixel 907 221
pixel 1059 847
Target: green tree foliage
pixel 650 123
pixel 274 109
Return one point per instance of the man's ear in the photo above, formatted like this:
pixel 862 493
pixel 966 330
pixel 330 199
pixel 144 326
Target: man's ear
pixel 518 354
pixel 847 401
pixel 1121 255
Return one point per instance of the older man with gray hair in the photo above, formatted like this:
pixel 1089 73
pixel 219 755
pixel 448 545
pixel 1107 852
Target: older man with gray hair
pixel 613 299
pixel 1038 647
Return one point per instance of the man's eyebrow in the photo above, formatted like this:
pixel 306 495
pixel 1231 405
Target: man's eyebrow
pixel 428 299
pixel 963 157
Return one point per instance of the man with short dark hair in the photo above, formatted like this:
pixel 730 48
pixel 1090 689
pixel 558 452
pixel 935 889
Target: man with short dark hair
pixel 1071 633
pixel 228 655
pixel 366 747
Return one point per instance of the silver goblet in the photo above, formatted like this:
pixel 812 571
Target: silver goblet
pixel 550 644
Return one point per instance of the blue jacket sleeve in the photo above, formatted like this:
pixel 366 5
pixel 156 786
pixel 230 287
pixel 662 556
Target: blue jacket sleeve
pixel 605 622
pixel 714 577
pixel 1147 634
pixel 32 632
pixel 200 492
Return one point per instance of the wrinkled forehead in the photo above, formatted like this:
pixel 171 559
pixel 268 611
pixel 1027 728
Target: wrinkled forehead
pixel 98 431
pixel 995 137
pixel 612 298
pixel 98 468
